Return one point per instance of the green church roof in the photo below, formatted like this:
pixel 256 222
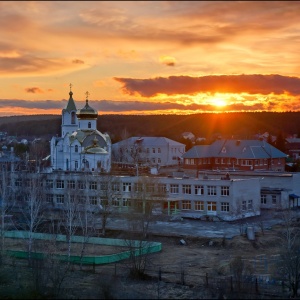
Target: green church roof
pixel 71 104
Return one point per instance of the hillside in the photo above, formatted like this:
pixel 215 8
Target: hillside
pixel 241 125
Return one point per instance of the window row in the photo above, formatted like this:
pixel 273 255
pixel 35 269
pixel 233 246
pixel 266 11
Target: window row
pixel 230 161
pixel 153 160
pixel 62 199
pixel 126 187
pixel 247 205
pixel 204 206
pixel 153 150
pixel 82 185
pixel 189 189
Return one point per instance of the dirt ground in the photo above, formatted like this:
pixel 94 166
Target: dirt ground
pixel 182 267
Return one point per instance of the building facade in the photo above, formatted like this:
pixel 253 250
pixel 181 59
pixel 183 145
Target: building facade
pixel 185 197
pixel 278 190
pixel 293 147
pixel 152 151
pixel 247 155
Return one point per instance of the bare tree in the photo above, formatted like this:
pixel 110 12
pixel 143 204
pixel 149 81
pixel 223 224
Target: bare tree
pixel 38 150
pixel 289 265
pixel 239 270
pixel 33 207
pixel 87 221
pixel 109 190
pixel 146 198
pixel 131 152
pixel 50 272
pixel 6 202
pixel 70 213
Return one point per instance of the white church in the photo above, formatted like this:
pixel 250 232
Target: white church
pixel 81 146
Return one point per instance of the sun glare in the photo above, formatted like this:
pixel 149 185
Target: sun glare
pixel 219 102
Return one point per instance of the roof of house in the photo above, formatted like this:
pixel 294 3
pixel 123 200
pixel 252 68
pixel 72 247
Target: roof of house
pixel 149 141
pixel 187 133
pixel 293 140
pixel 242 149
pixel 8 156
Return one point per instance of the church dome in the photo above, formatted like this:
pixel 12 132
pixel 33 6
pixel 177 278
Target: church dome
pixel 87 112
pixel 95 148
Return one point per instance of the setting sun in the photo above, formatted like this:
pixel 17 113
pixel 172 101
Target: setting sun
pixel 219 102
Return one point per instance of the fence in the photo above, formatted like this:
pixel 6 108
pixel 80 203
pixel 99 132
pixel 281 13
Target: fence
pixel 166 276
pixel 136 248
pixel 254 287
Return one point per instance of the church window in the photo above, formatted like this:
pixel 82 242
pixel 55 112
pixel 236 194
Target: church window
pixel 76 164
pixel 76 148
pixel 89 125
pixel 73 117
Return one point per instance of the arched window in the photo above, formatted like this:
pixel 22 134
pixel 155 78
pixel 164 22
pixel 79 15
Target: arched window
pixel 89 125
pixel 76 148
pixel 73 117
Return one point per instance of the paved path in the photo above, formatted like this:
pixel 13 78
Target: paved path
pixel 197 228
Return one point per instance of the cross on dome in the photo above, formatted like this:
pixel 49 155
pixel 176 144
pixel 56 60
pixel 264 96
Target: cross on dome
pixel 87 95
pixel 71 93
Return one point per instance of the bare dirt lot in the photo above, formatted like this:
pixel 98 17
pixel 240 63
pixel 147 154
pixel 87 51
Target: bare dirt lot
pixel 182 270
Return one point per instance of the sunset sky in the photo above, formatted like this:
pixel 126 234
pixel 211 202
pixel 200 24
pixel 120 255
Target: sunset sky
pixel 149 57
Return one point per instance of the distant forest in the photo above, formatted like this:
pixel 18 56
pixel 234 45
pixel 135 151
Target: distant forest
pixel 243 125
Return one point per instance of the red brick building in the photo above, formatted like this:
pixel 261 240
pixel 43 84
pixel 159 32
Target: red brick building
pixel 250 155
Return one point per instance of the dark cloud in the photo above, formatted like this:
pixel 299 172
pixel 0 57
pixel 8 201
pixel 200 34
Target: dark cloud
pixel 251 84
pixel 169 63
pixel 34 90
pixel 149 107
pixel 41 104
pixel 243 107
pixel 77 61
pixel 104 106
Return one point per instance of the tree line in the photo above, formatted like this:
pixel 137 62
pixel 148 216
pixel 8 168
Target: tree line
pixel 241 125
